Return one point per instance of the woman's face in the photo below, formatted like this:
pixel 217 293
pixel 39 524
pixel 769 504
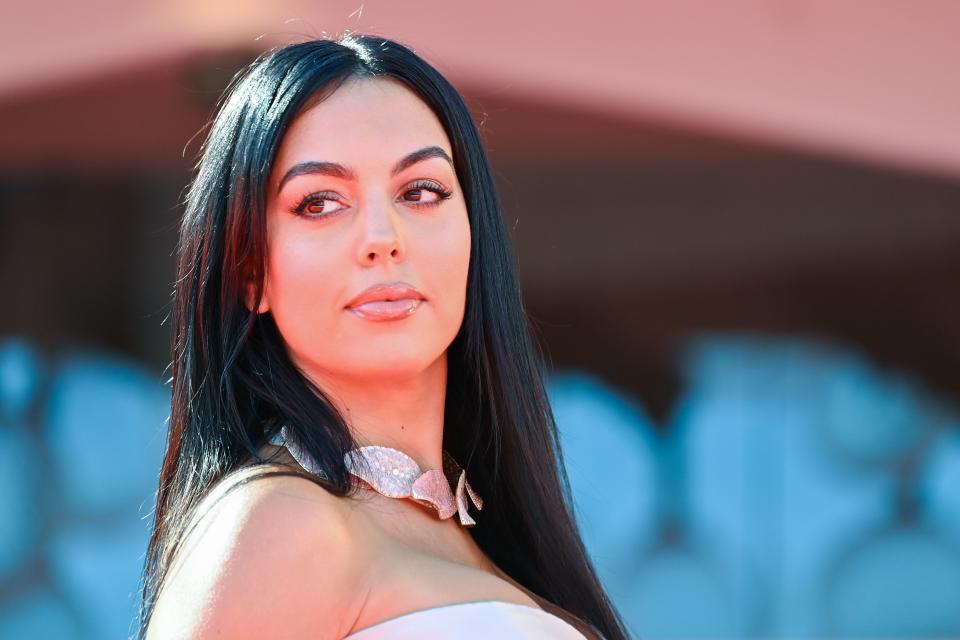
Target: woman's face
pixel 332 232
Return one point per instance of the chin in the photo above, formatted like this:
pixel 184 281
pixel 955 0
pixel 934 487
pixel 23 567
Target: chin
pixel 391 361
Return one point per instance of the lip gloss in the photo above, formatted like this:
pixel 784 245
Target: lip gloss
pixel 386 310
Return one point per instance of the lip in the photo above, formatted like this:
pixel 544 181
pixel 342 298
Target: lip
pixel 382 310
pixel 386 301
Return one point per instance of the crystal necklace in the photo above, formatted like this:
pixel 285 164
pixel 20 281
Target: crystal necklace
pixel 394 474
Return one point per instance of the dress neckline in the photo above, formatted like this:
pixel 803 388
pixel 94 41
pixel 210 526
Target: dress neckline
pixel 527 609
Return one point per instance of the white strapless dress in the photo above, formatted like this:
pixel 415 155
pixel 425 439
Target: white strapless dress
pixel 473 621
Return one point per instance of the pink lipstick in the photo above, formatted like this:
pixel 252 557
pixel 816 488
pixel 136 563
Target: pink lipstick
pixel 386 301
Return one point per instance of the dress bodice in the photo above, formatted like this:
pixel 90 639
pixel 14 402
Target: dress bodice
pixel 472 620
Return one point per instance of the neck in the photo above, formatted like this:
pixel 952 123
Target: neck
pixel 401 412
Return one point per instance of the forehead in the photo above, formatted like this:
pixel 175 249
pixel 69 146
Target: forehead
pixel 366 123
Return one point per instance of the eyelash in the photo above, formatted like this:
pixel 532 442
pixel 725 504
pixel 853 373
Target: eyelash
pixel 427 185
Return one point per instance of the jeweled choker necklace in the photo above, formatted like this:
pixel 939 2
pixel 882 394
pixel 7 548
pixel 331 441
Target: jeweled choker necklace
pixel 394 474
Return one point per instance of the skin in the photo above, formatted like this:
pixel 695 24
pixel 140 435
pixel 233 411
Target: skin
pixel 387 378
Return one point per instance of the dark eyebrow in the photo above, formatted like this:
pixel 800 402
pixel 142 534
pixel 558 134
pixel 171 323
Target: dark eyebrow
pixel 345 173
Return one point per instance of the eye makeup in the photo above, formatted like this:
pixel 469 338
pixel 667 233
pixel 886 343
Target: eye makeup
pixel 307 201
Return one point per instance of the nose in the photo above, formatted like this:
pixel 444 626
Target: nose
pixel 381 234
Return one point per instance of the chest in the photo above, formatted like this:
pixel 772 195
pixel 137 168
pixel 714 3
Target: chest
pixel 416 561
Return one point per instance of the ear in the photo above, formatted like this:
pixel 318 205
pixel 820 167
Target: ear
pixel 250 292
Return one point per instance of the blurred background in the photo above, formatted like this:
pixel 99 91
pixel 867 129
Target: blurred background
pixel 739 241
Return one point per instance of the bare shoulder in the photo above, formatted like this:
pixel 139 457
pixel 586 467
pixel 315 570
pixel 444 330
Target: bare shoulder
pixel 270 558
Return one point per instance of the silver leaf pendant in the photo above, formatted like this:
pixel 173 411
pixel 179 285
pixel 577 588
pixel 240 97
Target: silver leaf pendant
pixel 394 474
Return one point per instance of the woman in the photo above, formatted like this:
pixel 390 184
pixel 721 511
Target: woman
pixel 347 312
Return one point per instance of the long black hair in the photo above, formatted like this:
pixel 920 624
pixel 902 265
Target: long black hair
pixel 234 385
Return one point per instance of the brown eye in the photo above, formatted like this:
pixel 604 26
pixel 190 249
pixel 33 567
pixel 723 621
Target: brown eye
pixel 316 205
pixel 426 193
pixel 423 195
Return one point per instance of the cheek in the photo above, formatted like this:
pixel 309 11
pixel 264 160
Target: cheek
pixel 450 264
pixel 306 289
pixel 300 289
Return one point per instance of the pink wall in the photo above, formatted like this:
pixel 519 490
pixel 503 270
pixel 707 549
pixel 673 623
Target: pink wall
pixel 871 81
